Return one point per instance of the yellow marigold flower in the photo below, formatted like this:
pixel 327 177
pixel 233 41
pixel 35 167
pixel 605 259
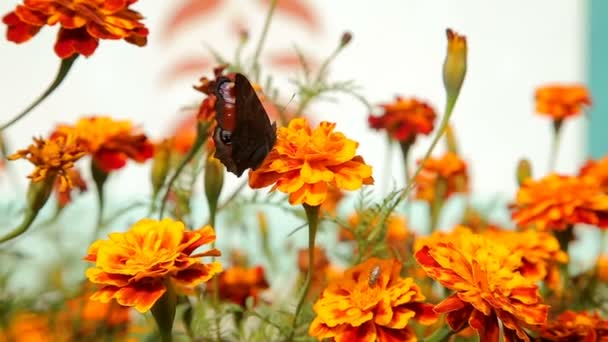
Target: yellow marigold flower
pixel 575 326
pixel 541 253
pixel 450 169
pixel 370 302
pixel 133 267
pixel 556 202
pixel 487 287
pixel 562 101
pixel 52 157
pixel 597 169
pixel 455 64
pixel 110 142
pixel 304 163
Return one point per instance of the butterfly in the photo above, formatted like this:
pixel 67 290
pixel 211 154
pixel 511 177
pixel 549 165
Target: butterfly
pixel 244 135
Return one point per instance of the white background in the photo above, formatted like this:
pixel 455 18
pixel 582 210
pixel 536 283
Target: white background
pixel 398 48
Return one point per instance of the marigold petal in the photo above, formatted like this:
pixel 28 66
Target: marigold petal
pixel 75 41
pixel 141 295
pixel 486 326
pixel 458 319
pixel 311 194
pixel 395 335
pixel 425 313
pixel 363 333
pixel 451 303
pixel 197 273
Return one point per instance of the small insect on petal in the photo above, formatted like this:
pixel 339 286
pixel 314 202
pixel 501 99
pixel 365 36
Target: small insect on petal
pixel 374 275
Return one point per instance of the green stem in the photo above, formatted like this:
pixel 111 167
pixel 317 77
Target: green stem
pixel 99 177
pixel 64 68
pixel 557 128
pixel 163 312
pixel 29 218
pixel 37 195
pixel 405 151
pixel 312 214
pixel 440 335
pixel 437 203
pixel 201 135
pixel 260 45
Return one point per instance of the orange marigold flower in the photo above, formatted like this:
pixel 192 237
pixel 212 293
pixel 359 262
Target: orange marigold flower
pixel 556 202
pixel 597 169
pixel 304 163
pixel 541 253
pixel 324 271
pixel 90 315
pixel 236 284
pixel 26 326
pixel 110 142
pixel 561 101
pixel 575 326
pixel 449 169
pixel 83 23
pixel 487 287
pixel 404 119
pixel 371 302
pixel 52 157
pixel 184 134
pixel 64 196
pixel 133 267
pixel 330 205
pixel 602 267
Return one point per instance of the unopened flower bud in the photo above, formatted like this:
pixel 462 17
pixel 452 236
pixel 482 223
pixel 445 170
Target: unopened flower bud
pixel 214 181
pixel 524 171
pixel 455 65
pixel 346 38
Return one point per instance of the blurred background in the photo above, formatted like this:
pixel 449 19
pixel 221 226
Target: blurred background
pixel 397 49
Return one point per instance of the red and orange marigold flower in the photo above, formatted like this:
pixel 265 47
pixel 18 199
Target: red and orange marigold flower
pixel 83 23
pixel 487 286
pixel 597 169
pixel 52 158
pixel 562 101
pixel 370 302
pixel 110 142
pixel 449 170
pixel 404 119
pixel 557 202
pixel 305 163
pixel 134 267
pixel 575 326
pixel 237 283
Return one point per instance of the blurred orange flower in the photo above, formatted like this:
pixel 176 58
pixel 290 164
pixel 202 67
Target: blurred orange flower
pixel 556 202
pixel 541 253
pixel 449 169
pixel 324 272
pixel 304 163
pixel 370 302
pixel 575 326
pixel 64 196
pixel 236 284
pixel 487 286
pixel 27 326
pixel 184 135
pixel 133 267
pixel 330 205
pixel 597 169
pixel 404 119
pixel 602 267
pixel 561 101
pixel 110 142
pixel 90 316
pixel 83 23
pixel 52 157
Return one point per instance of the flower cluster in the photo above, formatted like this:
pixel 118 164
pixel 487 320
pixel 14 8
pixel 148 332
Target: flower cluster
pixel 404 119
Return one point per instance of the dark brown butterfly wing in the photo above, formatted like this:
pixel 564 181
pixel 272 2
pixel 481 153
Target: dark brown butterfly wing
pixel 254 135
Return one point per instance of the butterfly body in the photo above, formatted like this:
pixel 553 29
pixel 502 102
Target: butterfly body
pixel 244 135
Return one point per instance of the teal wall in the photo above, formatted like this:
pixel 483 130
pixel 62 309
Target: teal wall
pixel 598 78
